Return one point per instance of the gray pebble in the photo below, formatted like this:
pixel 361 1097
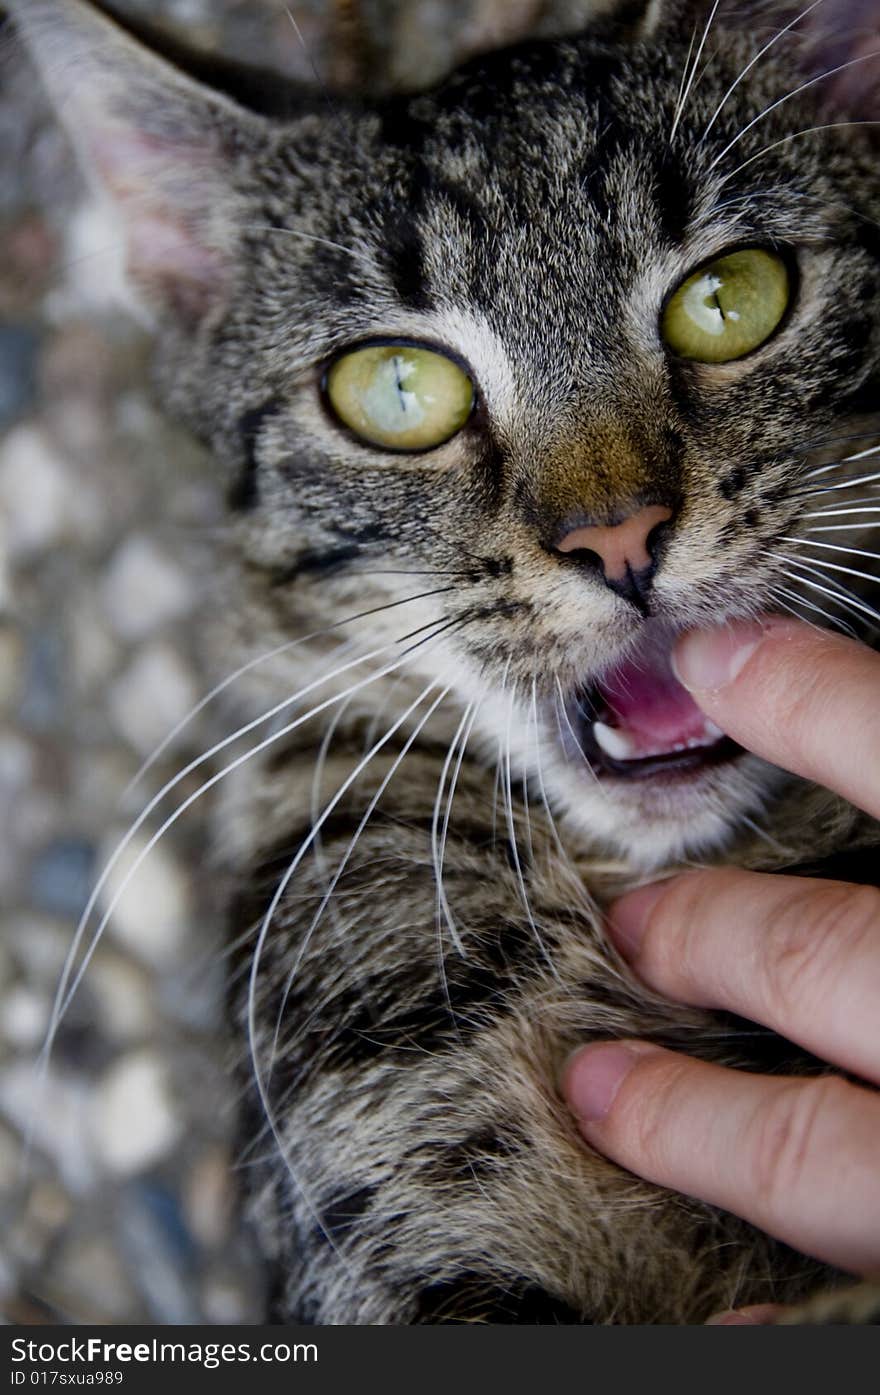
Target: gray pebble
pixel 144 589
pixel 209 1197
pixel 154 693
pixel 12 651
pixel 42 502
pixel 51 1109
pixel 152 905
pixel 88 1279
pixel 24 1016
pixel 42 701
pixel 19 346
pixel 62 877
pixel 154 1256
pixel 134 1121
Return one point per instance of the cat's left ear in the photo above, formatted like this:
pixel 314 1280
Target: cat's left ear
pixel 840 38
pixel 845 35
pixel 159 147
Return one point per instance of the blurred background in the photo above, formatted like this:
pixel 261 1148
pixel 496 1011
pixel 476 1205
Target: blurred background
pixel 118 1165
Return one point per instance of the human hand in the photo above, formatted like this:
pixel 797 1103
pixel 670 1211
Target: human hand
pixel 800 1158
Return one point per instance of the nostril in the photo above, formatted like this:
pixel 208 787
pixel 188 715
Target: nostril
pixel 585 558
pixel 657 537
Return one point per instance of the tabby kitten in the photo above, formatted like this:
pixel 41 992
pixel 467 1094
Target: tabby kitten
pixel 513 380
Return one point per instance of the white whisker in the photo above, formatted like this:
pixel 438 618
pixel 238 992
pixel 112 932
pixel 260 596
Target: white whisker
pixel 582 894
pixel 562 708
pixel 266 658
pixel 764 835
pixel 507 786
pixel 684 72
pixel 495 793
pixel 860 455
pixel 561 849
pixel 855 482
pixel 317 781
pixel 438 838
pixel 804 87
pixel 216 692
pixel 833 547
pixel 530 842
pixel 847 460
pixel 820 565
pixel 683 98
pixel 260 1082
pixel 757 58
pixel 194 765
pixel 841 597
pixel 361 256
pixel 64 994
pixel 833 620
pixel 441 957
pixel 344 861
pixel 840 528
pixel 843 512
pixel 794 135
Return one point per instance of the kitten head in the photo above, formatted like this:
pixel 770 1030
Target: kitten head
pixel 575 341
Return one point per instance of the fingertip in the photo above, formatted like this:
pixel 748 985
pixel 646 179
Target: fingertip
pixel 628 917
pixel 705 661
pixel 758 1315
pixel 593 1075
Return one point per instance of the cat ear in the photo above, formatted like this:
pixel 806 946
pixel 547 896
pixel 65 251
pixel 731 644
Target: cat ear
pixel 640 18
pixel 838 38
pixel 844 35
pixel 835 41
pixel 158 147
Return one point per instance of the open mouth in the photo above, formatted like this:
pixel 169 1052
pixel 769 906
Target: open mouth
pixel 638 721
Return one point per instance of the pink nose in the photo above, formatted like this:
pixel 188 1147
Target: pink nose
pixel 622 547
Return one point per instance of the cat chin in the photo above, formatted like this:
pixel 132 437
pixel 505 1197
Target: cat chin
pixel 656 823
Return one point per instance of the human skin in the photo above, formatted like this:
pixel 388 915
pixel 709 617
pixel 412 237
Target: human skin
pixel 798 1158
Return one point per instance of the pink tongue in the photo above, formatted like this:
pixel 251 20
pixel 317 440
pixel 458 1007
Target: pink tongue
pixel 648 702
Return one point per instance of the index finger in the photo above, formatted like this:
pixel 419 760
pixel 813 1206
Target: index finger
pixel 802 698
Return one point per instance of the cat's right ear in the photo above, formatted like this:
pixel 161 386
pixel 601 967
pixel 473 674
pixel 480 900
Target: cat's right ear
pixel 161 149
pixel 640 19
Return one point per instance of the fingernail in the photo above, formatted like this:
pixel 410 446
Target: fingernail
pixel 760 1315
pixel 628 918
pixel 710 659
pixel 593 1077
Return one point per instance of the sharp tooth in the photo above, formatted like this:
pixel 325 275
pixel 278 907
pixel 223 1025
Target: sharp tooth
pixel 614 743
pixel 714 733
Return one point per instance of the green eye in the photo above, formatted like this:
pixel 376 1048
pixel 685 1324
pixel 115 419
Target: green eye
pixel 400 397
pixel 728 308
